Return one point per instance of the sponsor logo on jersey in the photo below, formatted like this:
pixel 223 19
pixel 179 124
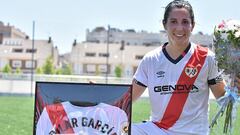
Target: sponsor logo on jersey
pixel 191 71
pixel 160 74
pixel 169 89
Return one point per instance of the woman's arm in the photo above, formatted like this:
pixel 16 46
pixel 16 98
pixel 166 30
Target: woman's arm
pixel 137 90
pixel 218 89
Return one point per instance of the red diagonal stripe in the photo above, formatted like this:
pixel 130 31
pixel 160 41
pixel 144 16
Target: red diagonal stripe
pixel 59 119
pixel 177 101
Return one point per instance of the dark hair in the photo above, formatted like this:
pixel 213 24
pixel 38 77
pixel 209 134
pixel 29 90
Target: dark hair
pixel 178 4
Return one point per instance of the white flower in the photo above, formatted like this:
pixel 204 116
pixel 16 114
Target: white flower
pixel 231 25
pixel 237 34
pixel 229 28
pixel 233 22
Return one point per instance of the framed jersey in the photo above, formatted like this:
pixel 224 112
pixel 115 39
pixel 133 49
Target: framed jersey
pixel 81 108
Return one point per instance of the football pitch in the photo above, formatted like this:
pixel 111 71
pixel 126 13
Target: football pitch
pixel 16 115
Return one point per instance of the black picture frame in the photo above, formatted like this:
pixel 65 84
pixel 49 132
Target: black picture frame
pixel 48 93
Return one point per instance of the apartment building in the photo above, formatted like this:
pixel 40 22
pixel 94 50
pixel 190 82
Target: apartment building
pixel 11 32
pixel 132 37
pixel 17 50
pixel 129 36
pixel 91 58
pixel 126 48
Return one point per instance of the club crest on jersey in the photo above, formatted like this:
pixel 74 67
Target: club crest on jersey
pixel 124 128
pixel 191 71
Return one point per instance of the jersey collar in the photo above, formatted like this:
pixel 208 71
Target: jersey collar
pixel 175 61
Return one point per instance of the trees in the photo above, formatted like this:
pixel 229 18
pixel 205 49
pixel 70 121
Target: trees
pixel 18 70
pixel 67 70
pixel 118 71
pixel 7 69
pixel 39 70
pixel 48 67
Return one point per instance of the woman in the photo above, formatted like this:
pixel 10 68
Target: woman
pixel 178 76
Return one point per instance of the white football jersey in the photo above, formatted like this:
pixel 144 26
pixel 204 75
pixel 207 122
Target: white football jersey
pixel 178 89
pixel 65 118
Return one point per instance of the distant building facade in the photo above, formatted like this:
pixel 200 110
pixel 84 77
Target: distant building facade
pixel 126 48
pixel 202 39
pixel 89 58
pixel 16 50
pixel 8 31
pixel 131 37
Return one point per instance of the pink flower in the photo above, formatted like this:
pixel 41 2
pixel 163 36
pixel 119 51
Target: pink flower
pixel 221 25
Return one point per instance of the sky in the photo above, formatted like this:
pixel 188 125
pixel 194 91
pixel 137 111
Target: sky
pixel 66 20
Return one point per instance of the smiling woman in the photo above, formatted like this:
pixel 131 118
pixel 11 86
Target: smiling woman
pixel 179 27
pixel 179 97
pixel 78 15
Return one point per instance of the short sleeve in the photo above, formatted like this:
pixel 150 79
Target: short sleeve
pixel 123 123
pixel 142 72
pixel 44 124
pixel 213 67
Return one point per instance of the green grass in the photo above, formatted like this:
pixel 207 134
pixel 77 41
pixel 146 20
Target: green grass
pixel 16 115
pixel 141 110
pixel 217 129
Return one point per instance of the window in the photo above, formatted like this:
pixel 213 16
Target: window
pixel 102 68
pixel 91 68
pixel 16 63
pixel 13 42
pixel 17 50
pixel 147 44
pixel 30 64
pixel 103 55
pixel 6 43
pixel 31 50
pixel 138 57
pixel 88 54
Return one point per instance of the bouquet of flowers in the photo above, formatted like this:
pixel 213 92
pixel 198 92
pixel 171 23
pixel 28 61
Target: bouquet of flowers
pixel 227 48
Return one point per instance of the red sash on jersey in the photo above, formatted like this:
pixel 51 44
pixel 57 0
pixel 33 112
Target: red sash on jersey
pixel 59 119
pixel 188 77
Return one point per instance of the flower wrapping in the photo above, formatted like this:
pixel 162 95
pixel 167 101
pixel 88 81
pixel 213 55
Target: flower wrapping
pixel 226 44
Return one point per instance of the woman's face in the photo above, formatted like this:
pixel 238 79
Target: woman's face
pixel 179 26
